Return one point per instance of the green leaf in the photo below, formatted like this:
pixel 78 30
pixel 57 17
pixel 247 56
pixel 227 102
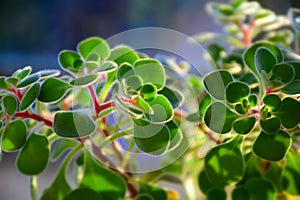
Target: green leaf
pixel 107 66
pixel 10 104
pixel 272 147
pixel 151 71
pixel 253 100
pixel 22 73
pixel 288 112
pixel 52 90
pixel 204 183
pixel 29 80
pixel 244 126
pixel 144 197
pixel 125 70
pixel 224 164
pixel 48 73
pixel 141 103
pixel 259 188
pixel 83 193
pixel 249 55
pixel 153 191
pixel 291 174
pixel 60 146
pixel 173 95
pixel 105 182
pixel 148 92
pixel 12 81
pixel 70 60
pixel 151 138
pixel 240 193
pixel 14 136
pixel 176 135
pixel 123 54
pixel 216 193
pixel 3 84
pixel 264 60
pixel 133 84
pixel 294 86
pixel 79 124
pixel 236 92
pixel 84 81
pixel 271 125
pixel 272 101
pixel 219 118
pixel 274 175
pixel 30 96
pixel 282 75
pixel 216 82
pixel 93 46
pixel 162 110
pixel 34 156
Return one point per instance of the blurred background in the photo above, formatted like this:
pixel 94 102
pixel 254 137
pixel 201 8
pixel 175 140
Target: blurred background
pixel 33 32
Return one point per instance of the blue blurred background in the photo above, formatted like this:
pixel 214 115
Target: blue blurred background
pixel 32 32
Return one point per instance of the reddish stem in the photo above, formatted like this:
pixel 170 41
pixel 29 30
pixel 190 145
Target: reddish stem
pixel 97 106
pixel 246 30
pixel 17 93
pixel 35 117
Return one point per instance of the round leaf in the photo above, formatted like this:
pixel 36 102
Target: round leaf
pixel 224 164
pixel 29 80
pixel 204 183
pixel 240 193
pixel 14 136
pixel 123 54
pixel 102 180
pixel 236 91
pixel 272 101
pixel 30 96
pixel 174 96
pixel 272 147
pixel 271 125
pixel 259 188
pixel 52 90
pixel 83 193
pixel 85 80
pixel 148 92
pixel 244 126
pixel 162 110
pixel 151 71
pixel 93 45
pixel 78 124
pixel 289 113
pixel 282 75
pixel 216 193
pixel 22 73
pixel 249 55
pixel 155 139
pixel 33 158
pixel 264 59
pixel 219 118
pixel 216 82
pixel 70 60
pixel 10 104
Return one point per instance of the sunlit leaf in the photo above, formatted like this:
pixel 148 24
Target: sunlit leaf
pixel 102 180
pixel 14 136
pixel 84 81
pixel 123 54
pixel 93 46
pixel 224 164
pixel 10 104
pixel 291 174
pixel 52 90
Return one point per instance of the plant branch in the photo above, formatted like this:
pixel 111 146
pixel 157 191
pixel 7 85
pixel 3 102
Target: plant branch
pixel 35 117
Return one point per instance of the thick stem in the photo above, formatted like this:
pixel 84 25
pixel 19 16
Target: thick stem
pixel 35 117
